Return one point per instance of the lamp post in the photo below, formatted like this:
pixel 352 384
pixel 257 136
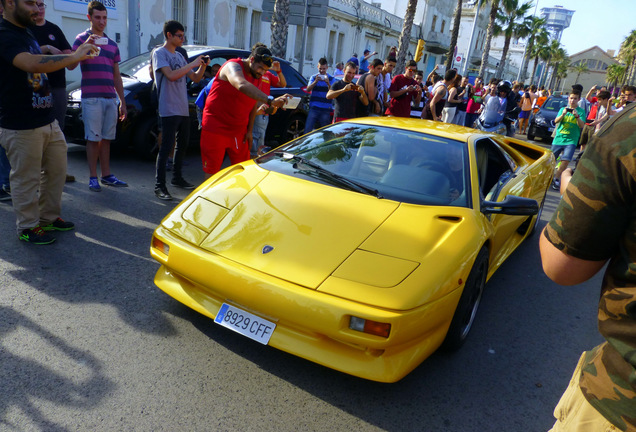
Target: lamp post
pixel 472 36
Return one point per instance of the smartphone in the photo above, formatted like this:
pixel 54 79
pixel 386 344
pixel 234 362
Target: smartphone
pixel 95 54
pixel 569 110
pixel 206 58
pixel 292 103
pixel 101 41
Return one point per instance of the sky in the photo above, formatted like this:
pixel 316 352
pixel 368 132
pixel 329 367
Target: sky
pixel 604 23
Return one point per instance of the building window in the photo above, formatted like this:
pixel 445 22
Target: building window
pixel 239 27
pixel 434 23
pixel 298 45
pixel 179 11
pixel 339 48
pixel 443 26
pixel 604 66
pixel 255 28
pixel 309 46
pixel 331 47
pixel 200 36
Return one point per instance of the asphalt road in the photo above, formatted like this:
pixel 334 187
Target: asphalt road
pixel 88 343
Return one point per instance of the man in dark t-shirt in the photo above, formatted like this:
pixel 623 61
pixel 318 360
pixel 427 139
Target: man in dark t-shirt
pixel 33 141
pixel 347 95
pixel 52 41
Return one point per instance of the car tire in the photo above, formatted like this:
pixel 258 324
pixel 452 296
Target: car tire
pixel 530 135
pixel 146 138
pixel 294 128
pixel 468 303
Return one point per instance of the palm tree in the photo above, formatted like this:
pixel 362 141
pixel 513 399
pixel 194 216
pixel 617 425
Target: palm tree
pixel 579 68
pixel 279 28
pixel 494 8
pixel 454 35
pixel 536 32
pixel 511 22
pixel 551 49
pixel 405 36
pixel 561 70
pixel 559 57
pixel 616 74
pixel 627 54
pixel 540 51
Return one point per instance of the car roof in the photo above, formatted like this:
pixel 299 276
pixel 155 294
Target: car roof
pixel 444 130
pixel 194 50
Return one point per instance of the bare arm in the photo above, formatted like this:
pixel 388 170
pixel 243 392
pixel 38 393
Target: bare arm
pixel 41 63
pixel 198 75
pixel 174 75
pixel 565 269
pixel 119 88
pixel 332 94
pixel 282 82
pixel 233 73
pixel 439 94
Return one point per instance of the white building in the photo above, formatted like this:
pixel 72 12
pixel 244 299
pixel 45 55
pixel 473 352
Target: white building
pixel 352 26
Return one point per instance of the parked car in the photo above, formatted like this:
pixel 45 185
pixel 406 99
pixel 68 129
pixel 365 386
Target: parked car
pixel 363 246
pixel 140 129
pixel 542 122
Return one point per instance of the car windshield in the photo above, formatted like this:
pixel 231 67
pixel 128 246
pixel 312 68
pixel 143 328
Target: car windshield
pixel 554 104
pixel 384 162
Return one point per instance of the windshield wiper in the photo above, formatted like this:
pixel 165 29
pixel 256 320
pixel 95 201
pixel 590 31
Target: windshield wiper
pixel 342 180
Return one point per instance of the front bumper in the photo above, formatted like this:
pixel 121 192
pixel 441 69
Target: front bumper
pixel 310 324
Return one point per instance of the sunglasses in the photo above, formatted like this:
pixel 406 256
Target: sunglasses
pixel 265 59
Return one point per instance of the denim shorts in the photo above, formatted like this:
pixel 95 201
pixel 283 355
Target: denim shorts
pixel 100 118
pixel 566 151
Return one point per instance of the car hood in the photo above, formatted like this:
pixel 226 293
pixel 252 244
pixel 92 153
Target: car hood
pixel 305 232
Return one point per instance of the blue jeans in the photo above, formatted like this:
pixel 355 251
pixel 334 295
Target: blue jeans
pixel 317 118
pixel 5 168
pixel 565 151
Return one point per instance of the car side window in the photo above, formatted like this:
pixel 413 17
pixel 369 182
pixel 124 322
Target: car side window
pixel 293 78
pixel 494 169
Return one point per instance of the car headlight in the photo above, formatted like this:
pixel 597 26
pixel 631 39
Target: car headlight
pixel 540 120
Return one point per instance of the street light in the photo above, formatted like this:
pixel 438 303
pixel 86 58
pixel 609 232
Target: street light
pixel 472 36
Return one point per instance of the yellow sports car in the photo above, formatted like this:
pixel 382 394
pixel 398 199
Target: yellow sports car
pixel 363 246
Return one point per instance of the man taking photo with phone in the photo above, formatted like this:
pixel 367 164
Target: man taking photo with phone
pixel 171 70
pixel 347 95
pixel 570 122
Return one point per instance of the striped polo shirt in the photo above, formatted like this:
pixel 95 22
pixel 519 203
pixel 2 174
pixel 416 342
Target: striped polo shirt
pixel 97 72
pixel 318 97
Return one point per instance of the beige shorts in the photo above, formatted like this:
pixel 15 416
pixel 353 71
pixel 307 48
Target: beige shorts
pixel 574 413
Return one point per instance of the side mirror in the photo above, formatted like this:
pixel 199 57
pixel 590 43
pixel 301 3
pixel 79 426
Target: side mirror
pixel 512 205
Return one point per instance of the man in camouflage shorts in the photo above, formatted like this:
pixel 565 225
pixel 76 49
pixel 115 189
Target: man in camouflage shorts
pixel 596 222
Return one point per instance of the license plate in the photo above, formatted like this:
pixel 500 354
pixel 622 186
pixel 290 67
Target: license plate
pixel 245 323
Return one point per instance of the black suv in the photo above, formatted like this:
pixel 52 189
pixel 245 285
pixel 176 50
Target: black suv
pixel 140 129
pixel 542 123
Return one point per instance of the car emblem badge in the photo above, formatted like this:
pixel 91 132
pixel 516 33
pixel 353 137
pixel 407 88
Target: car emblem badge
pixel 267 249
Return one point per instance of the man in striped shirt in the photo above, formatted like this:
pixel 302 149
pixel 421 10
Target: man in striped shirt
pixel 101 86
pixel 320 108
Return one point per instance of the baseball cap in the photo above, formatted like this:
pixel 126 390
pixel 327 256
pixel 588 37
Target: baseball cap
pixel 367 51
